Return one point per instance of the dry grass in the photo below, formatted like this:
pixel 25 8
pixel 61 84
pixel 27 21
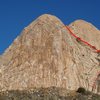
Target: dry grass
pixel 52 93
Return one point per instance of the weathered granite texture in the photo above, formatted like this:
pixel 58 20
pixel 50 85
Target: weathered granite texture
pixel 46 55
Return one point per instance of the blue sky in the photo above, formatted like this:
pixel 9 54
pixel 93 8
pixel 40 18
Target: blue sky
pixel 17 14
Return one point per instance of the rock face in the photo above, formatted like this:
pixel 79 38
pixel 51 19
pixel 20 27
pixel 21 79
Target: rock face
pixel 46 54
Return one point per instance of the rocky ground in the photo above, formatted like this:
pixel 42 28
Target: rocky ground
pixel 52 93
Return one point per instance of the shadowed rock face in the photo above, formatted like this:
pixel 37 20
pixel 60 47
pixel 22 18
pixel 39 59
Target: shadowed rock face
pixel 46 55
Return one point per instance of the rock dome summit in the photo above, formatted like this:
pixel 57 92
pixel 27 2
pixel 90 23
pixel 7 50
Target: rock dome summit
pixel 45 54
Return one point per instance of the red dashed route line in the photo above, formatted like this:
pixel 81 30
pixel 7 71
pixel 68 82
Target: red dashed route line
pixel 78 38
pixel 93 47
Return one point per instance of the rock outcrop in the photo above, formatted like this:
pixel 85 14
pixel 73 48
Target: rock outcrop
pixel 46 55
